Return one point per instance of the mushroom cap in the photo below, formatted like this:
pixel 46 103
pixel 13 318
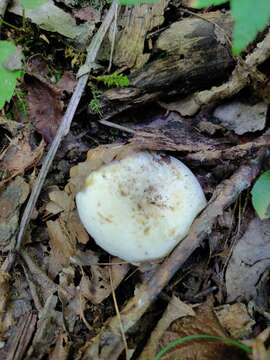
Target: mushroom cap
pixel 140 207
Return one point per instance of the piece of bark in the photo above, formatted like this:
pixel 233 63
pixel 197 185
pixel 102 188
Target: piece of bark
pixel 108 343
pixel 134 23
pixel 240 151
pixel 245 72
pixel 190 55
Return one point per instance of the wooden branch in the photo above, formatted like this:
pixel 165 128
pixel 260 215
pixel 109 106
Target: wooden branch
pixel 61 132
pixel 188 56
pixel 236 152
pixel 108 343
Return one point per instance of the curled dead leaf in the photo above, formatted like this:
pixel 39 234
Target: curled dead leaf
pixel 5 315
pixel 175 310
pixel 61 349
pixel 96 157
pixel 59 201
pixel 204 322
pixel 99 286
pixel 235 319
pixel 20 156
pixel 45 107
pixel 11 200
pixel 63 245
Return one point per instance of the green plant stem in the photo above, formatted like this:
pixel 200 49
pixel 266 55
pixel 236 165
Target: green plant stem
pixel 186 339
pixel 10 25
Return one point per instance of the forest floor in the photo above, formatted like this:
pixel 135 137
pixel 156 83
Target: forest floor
pixel 157 77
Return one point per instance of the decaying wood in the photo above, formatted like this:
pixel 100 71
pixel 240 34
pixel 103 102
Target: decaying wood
pixel 61 132
pixel 134 23
pixel 245 72
pixel 108 343
pixel 179 135
pixel 191 54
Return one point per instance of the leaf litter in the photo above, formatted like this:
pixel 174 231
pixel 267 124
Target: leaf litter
pixel 64 277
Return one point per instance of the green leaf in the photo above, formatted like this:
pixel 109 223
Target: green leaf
pixel 7 77
pixel 137 2
pixel 250 17
pixel 261 195
pixel 32 4
pixel 198 4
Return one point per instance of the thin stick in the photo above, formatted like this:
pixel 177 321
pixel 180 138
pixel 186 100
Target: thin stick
pixel 118 315
pixel 61 132
pixel 117 126
pixel 108 343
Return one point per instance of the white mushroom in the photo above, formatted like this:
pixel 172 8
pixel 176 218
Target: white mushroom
pixel 140 207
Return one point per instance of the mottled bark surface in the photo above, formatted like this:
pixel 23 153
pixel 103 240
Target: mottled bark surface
pixel 191 54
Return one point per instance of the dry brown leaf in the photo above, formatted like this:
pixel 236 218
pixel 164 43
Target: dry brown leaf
pixel 205 322
pixel 45 108
pixel 5 314
pixel 11 200
pixel 61 349
pixel 64 232
pixel 67 82
pixel 20 156
pixel 59 201
pixel 63 245
pixel 175 310
pixel 99 287
pixel 37 66
pixel 76 228
pixel 87 13
pixel 96 157
pixel 70 297
pixel 40 284
pixel 73 302
pixel 85 258
pixel 44 99
pixel 20 337
pixel 260 349
pixel 11 126
pixel 49 325
pixel 250 259
pixel 235 319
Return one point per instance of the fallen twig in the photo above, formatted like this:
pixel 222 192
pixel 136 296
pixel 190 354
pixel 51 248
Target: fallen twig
pixel 61 132
pixel 235 152
pixel 19 342
pixel 117 126
pixel 108 343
